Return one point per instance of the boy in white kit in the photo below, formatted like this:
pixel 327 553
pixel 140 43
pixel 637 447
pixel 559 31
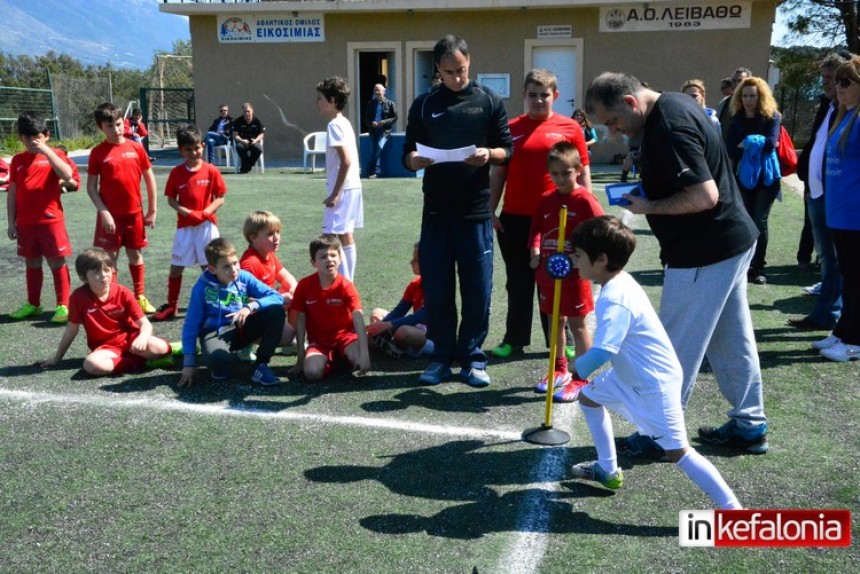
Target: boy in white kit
pixel 644 381
pixel 344 210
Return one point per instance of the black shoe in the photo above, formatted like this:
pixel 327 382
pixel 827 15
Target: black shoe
pixel 805 324
pixel 753 441
pixel 639 445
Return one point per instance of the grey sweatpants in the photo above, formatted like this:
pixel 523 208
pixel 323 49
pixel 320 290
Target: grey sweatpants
pixel 706 313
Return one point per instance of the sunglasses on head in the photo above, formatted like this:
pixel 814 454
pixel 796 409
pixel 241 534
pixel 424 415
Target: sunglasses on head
pixel 845 82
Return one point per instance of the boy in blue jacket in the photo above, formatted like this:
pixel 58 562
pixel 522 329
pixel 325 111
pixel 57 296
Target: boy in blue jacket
pixel 230 309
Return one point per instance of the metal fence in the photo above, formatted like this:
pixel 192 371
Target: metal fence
pixel 798 108
pixel 75 99
pixel 16 101
pixel 164 111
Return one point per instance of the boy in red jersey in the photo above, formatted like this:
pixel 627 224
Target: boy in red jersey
pixel 327 311
pixel 262 231
pixel 563 164
pixel 118 333
pixel 196 191
pixel 523 181
pixel 39 175
pixel 405 332
pixel 113 184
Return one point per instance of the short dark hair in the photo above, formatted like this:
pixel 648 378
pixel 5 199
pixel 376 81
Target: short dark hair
pixel 833 60
pixel 31 124
pixel 218 249
pixel 564 152
pixel 335 88
pixel 107 112
pixel 448 46
pixel 324 242
pixel 188 136
pixel 136 111
pixel 93 259
pixel 725 83
pixel 605 234
pixel 609 88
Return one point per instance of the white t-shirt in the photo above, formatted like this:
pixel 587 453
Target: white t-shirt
pixel 627 326
pixel 341 134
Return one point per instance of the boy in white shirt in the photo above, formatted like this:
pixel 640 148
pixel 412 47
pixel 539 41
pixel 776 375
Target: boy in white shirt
pixel 644 381
pixel 344 210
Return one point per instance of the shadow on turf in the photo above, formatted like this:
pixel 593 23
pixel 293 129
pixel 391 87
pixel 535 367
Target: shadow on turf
pixel 467 471
pixel 467 401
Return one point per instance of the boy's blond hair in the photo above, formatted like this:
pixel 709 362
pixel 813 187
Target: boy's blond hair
pixel 260 222
pixel 566 153
pixel 324 242
pixel 93 259
pixel 217 250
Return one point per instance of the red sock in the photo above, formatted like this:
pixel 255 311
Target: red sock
pixel 174 286
pixel 137 278
pixel 62 284
pixel 34 278
pixel 561 363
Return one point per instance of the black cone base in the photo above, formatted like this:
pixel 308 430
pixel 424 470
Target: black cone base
pixel 545 435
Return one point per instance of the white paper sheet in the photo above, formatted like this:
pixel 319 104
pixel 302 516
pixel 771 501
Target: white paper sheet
pixel 445 155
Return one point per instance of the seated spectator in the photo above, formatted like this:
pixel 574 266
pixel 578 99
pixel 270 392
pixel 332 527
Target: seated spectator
pixel 134 128
pixel 248 134
pixel 219 132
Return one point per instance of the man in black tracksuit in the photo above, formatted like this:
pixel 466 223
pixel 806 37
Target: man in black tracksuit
pixel 456 225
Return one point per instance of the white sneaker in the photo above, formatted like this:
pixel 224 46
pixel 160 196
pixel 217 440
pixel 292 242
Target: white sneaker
pixel 826 342
pixel 813 289
pixel 841 352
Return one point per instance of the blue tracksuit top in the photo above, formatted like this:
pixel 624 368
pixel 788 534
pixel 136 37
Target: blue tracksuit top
pixel 211 302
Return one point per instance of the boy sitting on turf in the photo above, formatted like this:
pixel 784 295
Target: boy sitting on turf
pixel 644 380
pixel 262 231
pixel 113 183
pixel 40 174
pixel 196 191
pixel 229 309
pixel 118 333
pixel 563 164
pixel 327 310
pixel 396 331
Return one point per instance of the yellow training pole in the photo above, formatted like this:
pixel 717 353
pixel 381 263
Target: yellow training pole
pixel 545 434
pixel 553 334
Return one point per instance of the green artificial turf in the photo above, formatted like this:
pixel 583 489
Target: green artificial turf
pixel 377 474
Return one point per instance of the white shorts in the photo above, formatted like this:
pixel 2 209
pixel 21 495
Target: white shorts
pixel 189 244
pixel 347 215
pixel 657 412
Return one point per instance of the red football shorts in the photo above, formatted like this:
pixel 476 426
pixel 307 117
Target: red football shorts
pixel 130 233
pixel 44 240
pixel 334 350
pixel 576 297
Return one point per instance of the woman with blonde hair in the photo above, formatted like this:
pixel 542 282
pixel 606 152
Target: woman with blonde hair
pixel 755 116
pixel 842 208
pixel 696 90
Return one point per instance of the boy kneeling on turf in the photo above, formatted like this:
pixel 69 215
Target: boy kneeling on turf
pixel 118 333
pixel 327 310
pixel 644 380
pixel 229 309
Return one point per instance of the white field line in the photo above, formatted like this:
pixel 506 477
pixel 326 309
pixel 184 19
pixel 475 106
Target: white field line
pixel 221 410
pixel 528 548
pixel 526 553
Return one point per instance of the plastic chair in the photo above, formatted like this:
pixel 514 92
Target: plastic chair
pixel 314 149
pixel 227 151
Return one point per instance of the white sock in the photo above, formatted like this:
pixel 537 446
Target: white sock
pixel 706 476
pixel 349 257
pixel 600 425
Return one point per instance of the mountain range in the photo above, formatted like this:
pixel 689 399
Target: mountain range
pixel 126 33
